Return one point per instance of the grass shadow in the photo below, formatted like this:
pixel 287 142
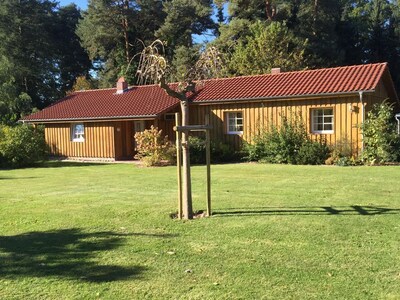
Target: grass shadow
pixel 368 210
pixel 67 253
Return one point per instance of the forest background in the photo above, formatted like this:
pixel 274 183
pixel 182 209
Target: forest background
pixel 48 50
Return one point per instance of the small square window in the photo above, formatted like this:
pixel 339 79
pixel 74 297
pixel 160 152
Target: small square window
pixel 77 132
pixel 169 117
pixel 234 122
pixel 322 120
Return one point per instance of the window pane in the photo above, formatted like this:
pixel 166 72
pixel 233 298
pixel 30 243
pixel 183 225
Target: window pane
pixel 328 127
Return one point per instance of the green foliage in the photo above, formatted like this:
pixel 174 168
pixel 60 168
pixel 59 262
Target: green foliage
pixel 152 148
pixel 185 18
pixel 39 53
pixel 287 143
pixel 380 138
pixel 342 153
pixel 312 153
pixel 21 146
pixel 268 46
pixel 220 152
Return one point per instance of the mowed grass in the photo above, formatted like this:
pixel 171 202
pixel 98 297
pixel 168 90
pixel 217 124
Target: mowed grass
pixel 92 231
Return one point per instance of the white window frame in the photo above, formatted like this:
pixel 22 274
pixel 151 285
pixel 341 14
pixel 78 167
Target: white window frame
pixel 139 126
pixel 77 136
pixel 316 113
pixel 232 123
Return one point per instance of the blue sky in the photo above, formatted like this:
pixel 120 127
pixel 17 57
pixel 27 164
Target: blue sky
pixel 81 3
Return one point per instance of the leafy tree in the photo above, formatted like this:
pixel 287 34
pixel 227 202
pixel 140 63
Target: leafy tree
pixel 153 67
pixel 107 32
pixel 183 19
pixel 381 142
pixel 72 61
pixel 21 145
pixel 268 46
pixel 40 52
pixel 12 104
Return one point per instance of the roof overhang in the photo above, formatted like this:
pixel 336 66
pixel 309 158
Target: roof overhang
pixel 280 98
pixel 91 119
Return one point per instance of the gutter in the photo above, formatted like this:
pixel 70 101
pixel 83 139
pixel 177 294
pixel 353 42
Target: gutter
pixel 222 101
pixel 361 93
pixel 93 119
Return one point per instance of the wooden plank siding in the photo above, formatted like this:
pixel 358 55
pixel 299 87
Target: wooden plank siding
pixel 98 143
pixel 115 139
pixel 258 116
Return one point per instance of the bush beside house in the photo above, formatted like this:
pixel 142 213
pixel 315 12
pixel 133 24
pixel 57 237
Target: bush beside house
pixel 287 144
pixel 21 146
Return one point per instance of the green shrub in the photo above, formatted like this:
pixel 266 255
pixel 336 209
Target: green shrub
pixel 197 148
pixel 312 153
pixel 380 138
pixel 220 152
pixel 21 146
pixel 342 153
pixel 152 148
pixel 287 144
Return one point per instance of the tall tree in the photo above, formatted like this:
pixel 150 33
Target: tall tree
pixel 107 32
pixel 41 62
pixel 183 19
pixel 72 60
pixel 268 46
pixel 153 68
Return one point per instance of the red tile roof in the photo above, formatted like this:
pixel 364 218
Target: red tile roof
pixel 103 104
pixel 288 84
pixel 151 100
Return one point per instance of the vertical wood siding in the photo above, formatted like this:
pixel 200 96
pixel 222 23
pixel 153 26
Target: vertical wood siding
pixel 98 143
pixel 258 116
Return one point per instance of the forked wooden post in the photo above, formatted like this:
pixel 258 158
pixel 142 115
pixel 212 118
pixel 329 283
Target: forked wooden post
pixel 208 162
pixel 187 129
pixel 179 163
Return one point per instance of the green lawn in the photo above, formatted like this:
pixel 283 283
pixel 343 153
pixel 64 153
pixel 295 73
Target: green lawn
pixel 81 231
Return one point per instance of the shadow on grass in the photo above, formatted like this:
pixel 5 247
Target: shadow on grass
pixel 62 164
pixel 67 253
pixel 14 178
pixel 369 210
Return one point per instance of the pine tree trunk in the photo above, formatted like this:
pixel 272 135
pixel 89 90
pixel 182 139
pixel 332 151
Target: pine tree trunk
pixel 187 183
pixel 125 26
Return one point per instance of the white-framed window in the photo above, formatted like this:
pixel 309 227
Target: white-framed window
pixel 234 122
pixel 322 120
pixel 139 126
pixel 78 132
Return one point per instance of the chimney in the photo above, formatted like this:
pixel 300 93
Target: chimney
pixel 122 85
pixel 275 70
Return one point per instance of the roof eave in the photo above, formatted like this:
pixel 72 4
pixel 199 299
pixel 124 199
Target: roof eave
pixel 216 101
pixel 116 118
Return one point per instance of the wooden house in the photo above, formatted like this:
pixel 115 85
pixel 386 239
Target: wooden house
pixel 333 102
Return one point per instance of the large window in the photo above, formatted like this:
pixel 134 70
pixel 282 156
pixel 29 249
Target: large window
pixel 322 120
pixel 234 122
pixel 78 132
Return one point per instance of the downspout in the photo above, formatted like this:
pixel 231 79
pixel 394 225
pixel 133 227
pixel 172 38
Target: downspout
pixel 361 93
pixel 397 117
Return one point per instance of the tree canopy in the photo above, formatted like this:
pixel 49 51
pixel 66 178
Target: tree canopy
pixel 45 47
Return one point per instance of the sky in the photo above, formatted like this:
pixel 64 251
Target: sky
pixel 81 3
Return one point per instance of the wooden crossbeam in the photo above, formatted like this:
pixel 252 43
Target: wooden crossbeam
pixel 193 128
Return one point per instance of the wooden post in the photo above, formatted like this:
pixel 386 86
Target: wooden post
pixel 208 162
pixel 179 163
